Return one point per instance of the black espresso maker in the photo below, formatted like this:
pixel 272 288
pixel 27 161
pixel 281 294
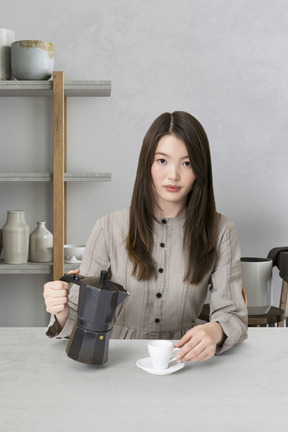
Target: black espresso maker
pixel 98 299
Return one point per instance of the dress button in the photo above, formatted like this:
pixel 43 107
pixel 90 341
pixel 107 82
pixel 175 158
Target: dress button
pixel 157 320
pixel 162 244
pixel 164 221
pixel 159 295
pixel 160 270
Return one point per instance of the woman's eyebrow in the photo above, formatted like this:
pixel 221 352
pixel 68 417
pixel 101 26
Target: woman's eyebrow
pixel 164 154
pixel 160 153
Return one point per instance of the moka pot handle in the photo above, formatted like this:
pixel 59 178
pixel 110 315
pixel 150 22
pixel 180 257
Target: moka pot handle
pixel 72 278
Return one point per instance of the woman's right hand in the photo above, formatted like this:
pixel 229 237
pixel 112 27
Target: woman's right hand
pixel 56 298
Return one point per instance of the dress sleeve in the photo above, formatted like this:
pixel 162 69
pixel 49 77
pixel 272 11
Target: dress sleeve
pixel 227 306
pixel 95 259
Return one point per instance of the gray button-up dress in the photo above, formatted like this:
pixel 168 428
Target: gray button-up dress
pixel 165 307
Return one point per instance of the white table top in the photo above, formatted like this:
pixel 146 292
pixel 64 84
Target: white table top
pixel 242 390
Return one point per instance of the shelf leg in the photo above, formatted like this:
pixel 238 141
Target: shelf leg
pixel 58 174
pixel 65 169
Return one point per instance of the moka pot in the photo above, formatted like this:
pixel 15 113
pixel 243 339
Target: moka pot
pixel 98 300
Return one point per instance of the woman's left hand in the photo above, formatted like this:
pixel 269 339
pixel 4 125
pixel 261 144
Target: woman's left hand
pixel 199 343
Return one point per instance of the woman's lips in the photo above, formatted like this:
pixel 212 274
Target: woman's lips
pixel 171 188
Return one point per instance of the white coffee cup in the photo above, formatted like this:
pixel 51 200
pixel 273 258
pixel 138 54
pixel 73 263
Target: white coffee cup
pixel 160 353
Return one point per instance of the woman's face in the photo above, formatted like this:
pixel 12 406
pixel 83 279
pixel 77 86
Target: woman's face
pixel 172 175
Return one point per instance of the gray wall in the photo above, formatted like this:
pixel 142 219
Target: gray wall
pixel 223 61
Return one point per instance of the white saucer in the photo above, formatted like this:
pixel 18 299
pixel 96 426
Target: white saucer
pixel 146 365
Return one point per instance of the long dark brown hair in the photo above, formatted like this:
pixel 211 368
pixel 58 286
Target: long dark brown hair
pixel 200 226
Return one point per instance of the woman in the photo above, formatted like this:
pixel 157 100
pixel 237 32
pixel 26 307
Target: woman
pixel 167 249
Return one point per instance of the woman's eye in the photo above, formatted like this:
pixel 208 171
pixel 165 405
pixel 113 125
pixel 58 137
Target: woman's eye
pixel 162 161
pixel 186 163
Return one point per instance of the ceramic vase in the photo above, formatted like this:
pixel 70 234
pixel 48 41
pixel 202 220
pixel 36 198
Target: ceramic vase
pixel 41 244
pixel 16 238
pixel 7 37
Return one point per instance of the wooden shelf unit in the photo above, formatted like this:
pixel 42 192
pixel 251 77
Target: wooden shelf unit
pixel 59 90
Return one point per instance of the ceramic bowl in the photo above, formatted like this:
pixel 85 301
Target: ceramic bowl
pixel 32 60
pixel 73 253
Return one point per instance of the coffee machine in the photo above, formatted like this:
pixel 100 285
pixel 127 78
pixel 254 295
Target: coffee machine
pixel 98 299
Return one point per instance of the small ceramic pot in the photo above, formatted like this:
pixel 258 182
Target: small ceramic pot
pixel 32 60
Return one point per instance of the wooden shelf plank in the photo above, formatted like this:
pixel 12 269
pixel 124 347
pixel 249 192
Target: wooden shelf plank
pixel 23 177
pixel 45 88
pixel 48 177
pixel 87 177
pixel 32 268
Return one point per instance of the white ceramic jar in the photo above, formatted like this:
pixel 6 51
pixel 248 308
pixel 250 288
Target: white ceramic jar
pixel 16 238
pixel 41 244
pixel 6 39
pixel 32 60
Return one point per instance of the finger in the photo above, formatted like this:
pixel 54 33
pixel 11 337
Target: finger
pixel 204 355
pixel 56 308
pixel 201 355
pixel 76 271
pixel 193 354
pixel 189 347
pixel 201 351
pixel 56 285
pixel 58 303
pixel 184 339
pixel 196 342
pixel 56 293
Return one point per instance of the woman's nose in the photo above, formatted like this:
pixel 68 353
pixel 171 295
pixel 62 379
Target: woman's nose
pixel 174 173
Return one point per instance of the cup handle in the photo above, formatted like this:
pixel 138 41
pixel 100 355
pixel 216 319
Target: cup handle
pixel 174 358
